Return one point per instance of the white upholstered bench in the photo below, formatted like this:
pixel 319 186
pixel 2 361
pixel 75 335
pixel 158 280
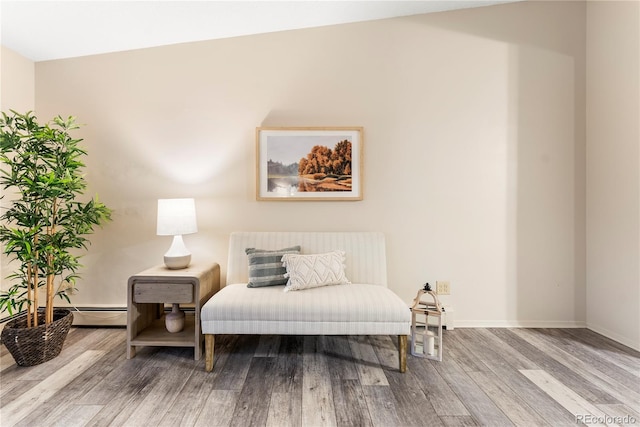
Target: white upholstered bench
pixel 364 307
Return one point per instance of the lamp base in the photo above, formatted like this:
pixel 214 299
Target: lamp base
pixel 177 262
pixel 178 256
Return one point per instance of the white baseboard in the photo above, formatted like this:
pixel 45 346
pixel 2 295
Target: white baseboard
pixel 520 324
pixel 448 318
pixel 616 337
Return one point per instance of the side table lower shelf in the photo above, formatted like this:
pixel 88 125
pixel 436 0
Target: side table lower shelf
pixel 156 335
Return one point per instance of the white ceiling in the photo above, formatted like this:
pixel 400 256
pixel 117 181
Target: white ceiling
pixel 45 30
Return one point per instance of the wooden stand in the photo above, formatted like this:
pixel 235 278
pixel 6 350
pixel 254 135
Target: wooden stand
pixel 426 326
pixel 147 293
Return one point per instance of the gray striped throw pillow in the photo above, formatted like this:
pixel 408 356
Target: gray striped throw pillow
pixel 265 266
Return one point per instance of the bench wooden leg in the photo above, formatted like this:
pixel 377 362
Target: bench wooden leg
pixel 402 352
pixel 209 343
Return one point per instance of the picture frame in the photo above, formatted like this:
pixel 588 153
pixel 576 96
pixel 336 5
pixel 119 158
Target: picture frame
pixel 309 163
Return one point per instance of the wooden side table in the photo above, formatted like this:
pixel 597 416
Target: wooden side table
pixel 148 291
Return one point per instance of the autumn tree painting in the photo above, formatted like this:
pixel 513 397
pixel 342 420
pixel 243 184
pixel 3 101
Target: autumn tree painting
pixel 309 163
pixel 325 169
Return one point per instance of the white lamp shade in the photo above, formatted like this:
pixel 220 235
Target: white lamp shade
pixel 176 217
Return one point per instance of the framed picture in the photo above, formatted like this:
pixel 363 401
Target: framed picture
pixel 309 163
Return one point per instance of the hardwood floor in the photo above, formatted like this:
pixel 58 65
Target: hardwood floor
pixel 491 377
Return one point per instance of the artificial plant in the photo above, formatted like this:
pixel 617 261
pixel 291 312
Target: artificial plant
pixel 43 224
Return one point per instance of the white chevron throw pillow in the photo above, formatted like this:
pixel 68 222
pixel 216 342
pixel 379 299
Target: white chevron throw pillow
pixel 312 271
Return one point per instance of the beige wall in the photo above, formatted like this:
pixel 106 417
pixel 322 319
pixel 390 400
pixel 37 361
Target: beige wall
pixel 17 81
pixel 474 149
pixel 17 92
pixel 613 170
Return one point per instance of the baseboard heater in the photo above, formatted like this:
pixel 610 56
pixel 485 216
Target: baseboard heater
pixel 107 316
pixel 100 316
pixel 90 316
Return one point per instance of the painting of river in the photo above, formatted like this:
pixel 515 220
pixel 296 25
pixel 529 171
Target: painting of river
pixel 308 183
pixel 304 165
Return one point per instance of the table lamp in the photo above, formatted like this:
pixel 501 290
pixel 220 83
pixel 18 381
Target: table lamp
pixel 175 218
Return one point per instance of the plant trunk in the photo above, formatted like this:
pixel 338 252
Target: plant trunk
pixel 50 270
pixel 49 307
pixel 35 288
pixel 29 297
pixel 34 306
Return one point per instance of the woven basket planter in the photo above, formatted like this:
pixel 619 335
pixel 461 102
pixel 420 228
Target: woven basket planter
pixel 32 346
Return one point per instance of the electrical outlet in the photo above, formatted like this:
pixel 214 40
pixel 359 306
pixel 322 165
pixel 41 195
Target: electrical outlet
pixel 443 288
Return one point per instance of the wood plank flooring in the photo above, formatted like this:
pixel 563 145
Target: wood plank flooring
pixel 489 377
